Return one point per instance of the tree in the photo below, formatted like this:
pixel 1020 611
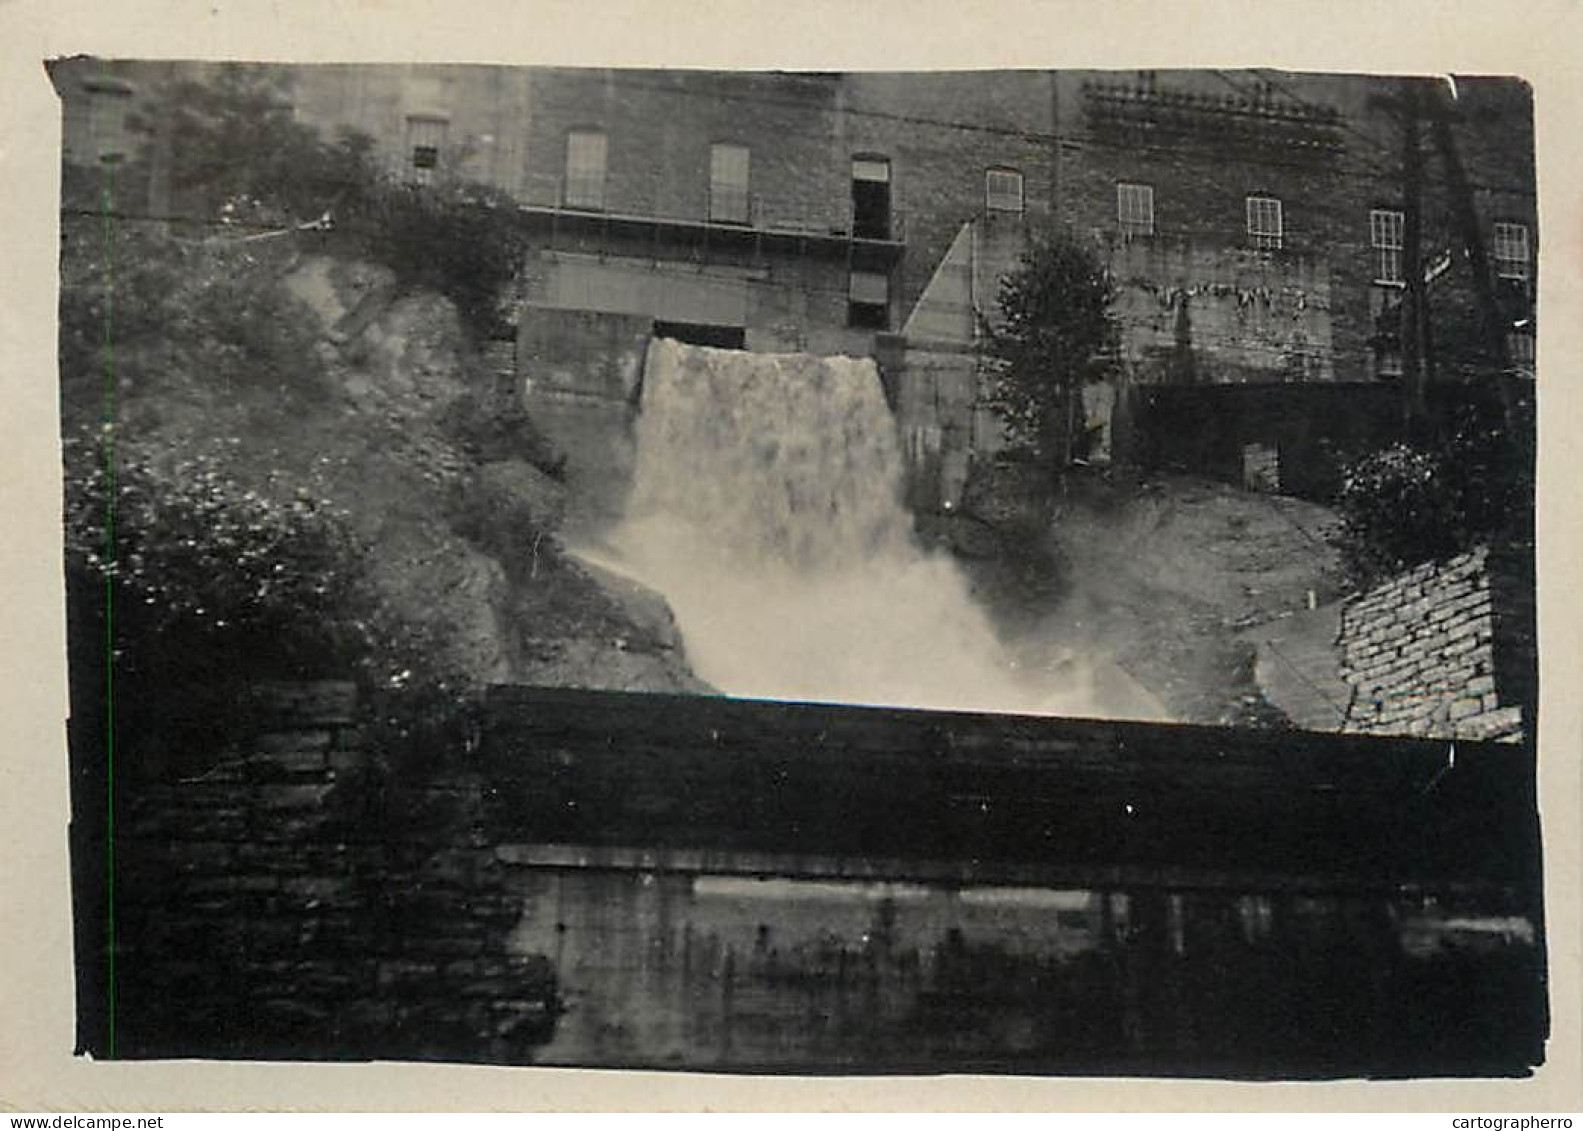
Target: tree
pixel 1056 334
pixel 236 156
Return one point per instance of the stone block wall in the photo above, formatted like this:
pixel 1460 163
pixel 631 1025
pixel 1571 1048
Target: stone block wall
pixel 297 900
pixel 574 877
pixel 1446 650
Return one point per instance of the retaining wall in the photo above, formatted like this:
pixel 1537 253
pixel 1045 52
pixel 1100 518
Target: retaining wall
pixel 293 901
pixel 1445 650
pixel 596 879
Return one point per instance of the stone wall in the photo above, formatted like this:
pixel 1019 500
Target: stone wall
pixel 297 900
pixel 568 877
pixel 1446 650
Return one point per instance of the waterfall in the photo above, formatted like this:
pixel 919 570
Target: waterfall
pixel 766 508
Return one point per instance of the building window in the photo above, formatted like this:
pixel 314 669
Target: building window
pixel 585 169
pixel 728 184
pixel 1388 363
pixel 108 104
pixel 868 300
pixel 1264 222
pixel 1520 348
pixel 425 143
pixel 871 198
pixel 1003 190
pixel 1512 257
pixel 703 334
pixel 1385 236
pixel 1135 209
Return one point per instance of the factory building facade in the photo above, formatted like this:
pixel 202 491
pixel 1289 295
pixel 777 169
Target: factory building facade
pixel 1257 226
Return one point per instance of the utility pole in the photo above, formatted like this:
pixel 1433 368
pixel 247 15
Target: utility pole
pixel 1472 238
pixel 1414 315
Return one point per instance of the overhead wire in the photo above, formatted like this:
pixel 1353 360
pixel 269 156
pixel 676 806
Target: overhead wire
pixel 1024 133
pixel 914 148
pixel 702 278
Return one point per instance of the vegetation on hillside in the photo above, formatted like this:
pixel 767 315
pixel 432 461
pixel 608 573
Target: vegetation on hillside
pixel 195 565
pixel 232 153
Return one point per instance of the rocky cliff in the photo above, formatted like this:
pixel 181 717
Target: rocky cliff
pixel 336 382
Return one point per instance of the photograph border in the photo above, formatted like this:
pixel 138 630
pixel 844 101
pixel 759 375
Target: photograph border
pixel 1535 41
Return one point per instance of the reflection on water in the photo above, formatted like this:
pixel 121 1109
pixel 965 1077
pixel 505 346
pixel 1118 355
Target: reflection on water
pixel 666 969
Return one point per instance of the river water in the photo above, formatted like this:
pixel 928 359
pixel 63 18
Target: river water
pixel 710 972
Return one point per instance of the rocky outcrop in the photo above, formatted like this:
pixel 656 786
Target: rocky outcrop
pixel 461 511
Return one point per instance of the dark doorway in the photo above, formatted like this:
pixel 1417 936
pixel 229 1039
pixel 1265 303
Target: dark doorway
pixel 703 334
pixel 871 198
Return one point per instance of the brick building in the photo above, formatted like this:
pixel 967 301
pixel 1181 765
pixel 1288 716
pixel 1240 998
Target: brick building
pixel 1256 224
pixel 1259 219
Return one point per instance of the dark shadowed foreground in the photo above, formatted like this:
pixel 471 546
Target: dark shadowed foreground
pixel 582 878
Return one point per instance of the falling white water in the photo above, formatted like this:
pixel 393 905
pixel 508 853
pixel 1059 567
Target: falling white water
pixel 766 508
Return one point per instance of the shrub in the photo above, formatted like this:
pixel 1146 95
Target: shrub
pixel 240 159
pixel 453 237
pixel 135 305
pixel 185 586
pixel 1407 504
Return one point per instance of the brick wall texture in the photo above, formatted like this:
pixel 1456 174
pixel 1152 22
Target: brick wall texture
pixel 1445 650
pixel 1329 147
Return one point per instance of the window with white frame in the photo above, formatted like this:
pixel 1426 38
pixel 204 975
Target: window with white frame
pixel 728 184
pixel 1002 190
pixel 1385 236
pixel 1512 255
pixel 1135 209
pixel 425 143
pixel 585 169
pixel 1265 223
